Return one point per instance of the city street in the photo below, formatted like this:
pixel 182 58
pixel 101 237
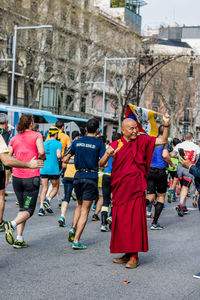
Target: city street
pixel 50 269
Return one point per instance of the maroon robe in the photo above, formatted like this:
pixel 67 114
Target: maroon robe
pixel 129 182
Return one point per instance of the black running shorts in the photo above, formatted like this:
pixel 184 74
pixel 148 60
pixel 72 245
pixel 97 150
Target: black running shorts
pixel 86 189
pixel 26 190
pixel 2 180
pixel 50 177
pixel 157 181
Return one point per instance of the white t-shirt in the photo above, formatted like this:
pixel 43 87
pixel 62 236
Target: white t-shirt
pixel 3 146
pixel 191 150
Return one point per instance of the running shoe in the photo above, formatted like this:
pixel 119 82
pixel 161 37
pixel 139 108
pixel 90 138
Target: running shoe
pixel 95 217
pixel 104 228
pixel 169 197
pixel 109 220
pixel 195 202
pixel 41 212
pixel 46 204
pixel 60 204
pixel 180 211
pixel 19 244
pixel 78 246
pixel 6 193
pixel 71 234
pixel 94 207
pixel 49 210
pixel 156 226
pixel 61 222
pixel 197 275
pixel 17 202
pixel 185 210
pixel 174 197
pixel 9 233
pixel 2 226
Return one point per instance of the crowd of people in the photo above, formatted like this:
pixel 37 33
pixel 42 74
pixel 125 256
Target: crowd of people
pixel 121 181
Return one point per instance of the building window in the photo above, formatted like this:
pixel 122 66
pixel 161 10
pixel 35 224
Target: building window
pixel 74 18
pixel 106 105
pixel 86 4
pixel 49 96
pixel 71 75
pixel 186 115
pixel 72 50
pixel 93 103
pixel 84 52
pixel 155 98
pixel 83 77
pixel 68 101
pixel 83 105
pixel 185 129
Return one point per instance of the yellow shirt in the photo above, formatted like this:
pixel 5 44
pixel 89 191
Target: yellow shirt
pixel 70 170
pixel 64 139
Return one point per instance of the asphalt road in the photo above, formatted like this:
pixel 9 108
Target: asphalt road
pixel 51 269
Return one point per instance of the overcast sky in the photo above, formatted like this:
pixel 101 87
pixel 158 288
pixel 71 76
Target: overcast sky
pixel 157 12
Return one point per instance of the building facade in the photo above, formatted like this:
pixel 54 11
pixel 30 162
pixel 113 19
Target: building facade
pixel 56 69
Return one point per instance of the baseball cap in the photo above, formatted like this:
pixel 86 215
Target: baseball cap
pixel 3 118
pixel 53 130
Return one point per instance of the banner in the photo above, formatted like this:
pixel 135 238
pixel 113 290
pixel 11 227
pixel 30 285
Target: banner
pixel 144 119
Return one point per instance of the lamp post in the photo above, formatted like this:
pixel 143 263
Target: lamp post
pixel 14 53
pixel 106 59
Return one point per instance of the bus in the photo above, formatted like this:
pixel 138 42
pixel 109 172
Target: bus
pixel 44 118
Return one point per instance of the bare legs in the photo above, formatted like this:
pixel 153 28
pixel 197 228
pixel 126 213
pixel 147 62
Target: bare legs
pixel 2 204
pixel 80 218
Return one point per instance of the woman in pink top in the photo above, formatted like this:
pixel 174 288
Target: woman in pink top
pixel 26 145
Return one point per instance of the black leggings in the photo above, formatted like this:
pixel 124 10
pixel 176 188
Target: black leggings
pixel 106 189
pixel 26 190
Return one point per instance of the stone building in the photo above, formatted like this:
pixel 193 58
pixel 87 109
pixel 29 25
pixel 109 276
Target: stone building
pixel 54 66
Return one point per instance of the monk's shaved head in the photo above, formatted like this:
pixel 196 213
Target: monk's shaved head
pixel 129 129
pixel 128 122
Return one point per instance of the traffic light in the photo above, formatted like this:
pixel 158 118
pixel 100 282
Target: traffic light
pixel 9 44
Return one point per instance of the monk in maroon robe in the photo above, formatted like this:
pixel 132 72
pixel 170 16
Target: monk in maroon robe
pixel 132 159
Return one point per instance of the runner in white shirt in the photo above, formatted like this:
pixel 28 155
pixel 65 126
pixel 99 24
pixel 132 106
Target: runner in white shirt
pixel 191 151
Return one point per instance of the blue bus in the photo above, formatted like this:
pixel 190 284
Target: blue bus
pixel 44 118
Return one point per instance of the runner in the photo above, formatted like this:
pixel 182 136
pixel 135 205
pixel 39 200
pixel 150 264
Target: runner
pixel 99 202
pixel 171 195
pixel 68 179
pixel 88 152
pixel 106 188
pixel 65 141
pixel 26 183
pixel 5 134
pixel 190 151
pixel 53 150
pixel 157 180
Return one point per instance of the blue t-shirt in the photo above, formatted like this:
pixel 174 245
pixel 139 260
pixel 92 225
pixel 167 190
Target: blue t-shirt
pixel 108 169
pixel 51 164
pixel 87 150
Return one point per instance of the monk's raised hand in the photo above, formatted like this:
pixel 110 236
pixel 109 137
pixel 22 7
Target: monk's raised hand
pixel 166 119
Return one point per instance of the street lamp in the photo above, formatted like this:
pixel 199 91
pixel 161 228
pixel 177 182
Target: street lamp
pixel 104 83
pixel 14 53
